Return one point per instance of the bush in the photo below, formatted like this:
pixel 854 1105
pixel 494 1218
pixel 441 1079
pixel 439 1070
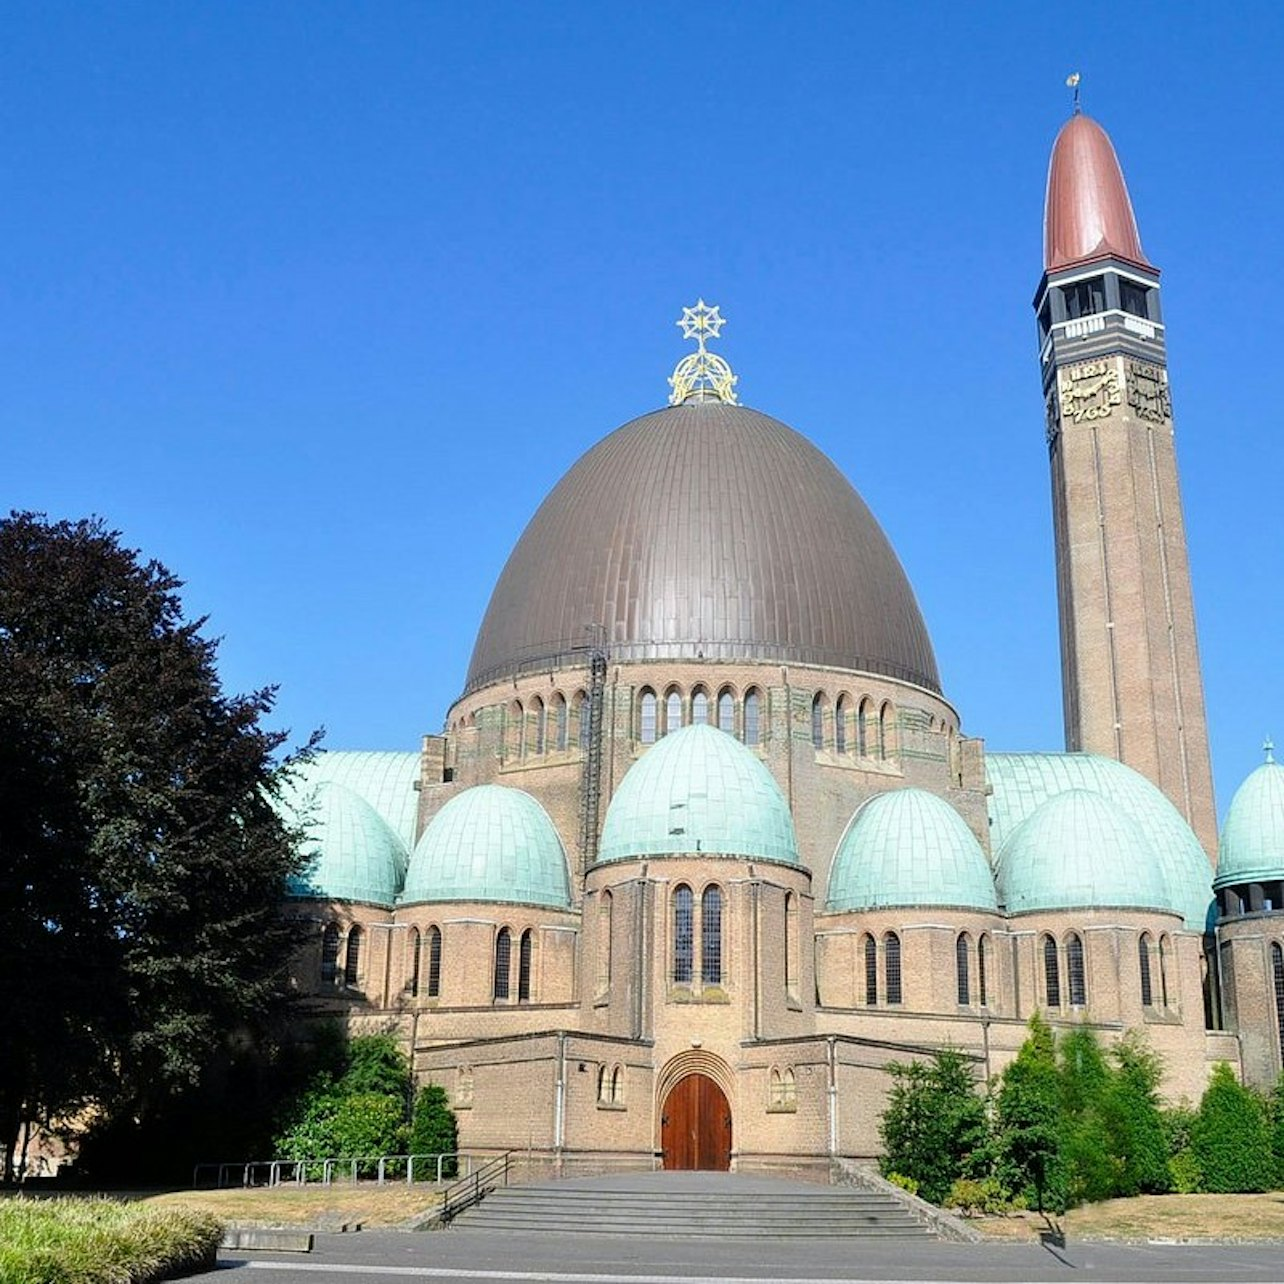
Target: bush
pixel 434 1130
pixel 1276 1109
pixel 1229 1137
pixel 905 1183
pixel 1027 1144
pixel 973 1197
pixel 1134 1121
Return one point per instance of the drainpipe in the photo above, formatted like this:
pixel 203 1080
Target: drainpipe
pixel 755 890
pixel 831 1056
pixel 559 1102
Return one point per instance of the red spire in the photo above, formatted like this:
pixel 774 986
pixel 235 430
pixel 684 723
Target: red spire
pixel 1087 214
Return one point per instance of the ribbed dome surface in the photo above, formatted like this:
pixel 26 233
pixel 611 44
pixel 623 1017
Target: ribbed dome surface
pixel 1252 843
pixel 908 847
pixel 1079 851
pixel 698 790
pixel 490 843
pixel 705 530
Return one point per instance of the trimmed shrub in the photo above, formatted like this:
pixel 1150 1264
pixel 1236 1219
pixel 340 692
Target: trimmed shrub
pixel 1229 1137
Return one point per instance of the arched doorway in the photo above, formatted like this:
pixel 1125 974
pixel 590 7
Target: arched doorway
pixel 695 1126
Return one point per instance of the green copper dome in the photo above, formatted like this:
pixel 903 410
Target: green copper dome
pixel 1079 851
pixel 1252 842
pixel 909 847
pixel 1022 782
pixel 387 781
pixel 698 790
pixel 354 856
pixel 490 843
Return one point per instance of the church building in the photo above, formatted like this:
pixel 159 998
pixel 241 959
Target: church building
pixel 704 845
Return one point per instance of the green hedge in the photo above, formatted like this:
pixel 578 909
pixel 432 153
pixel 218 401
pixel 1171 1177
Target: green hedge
pixel 100 1241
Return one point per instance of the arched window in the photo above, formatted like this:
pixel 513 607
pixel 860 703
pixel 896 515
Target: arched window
pixel 683 934
pixel 885 715
pixel 1051 973
pixel 539 716
pixel 982 995
pixel 606 929
pixel 672 711
pixel 1164 949
pixel 434 962
pixel 711 936
pixel 414 949
pixel 503 962
pixel 561 723
pixel 1143 965
pixel 647 718
pixel 617 1086
pixel 330 954
pixel 753 718
pixel 789 1089
pixel 818 721
pixel 584 720
pixel 700 708
pixel 863 717
pixel 791 944
pixel 842 715
pixel 871 971
pixel 1277 975
pixel 727 712
pixel 517 737
pixel 961 970
pixel 775 1090
pixel 352 963
pixel 892 967
pixel 1075 976
pixel 525 948
pixel 604 1084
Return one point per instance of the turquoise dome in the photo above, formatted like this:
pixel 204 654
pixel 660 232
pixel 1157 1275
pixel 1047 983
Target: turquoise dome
pixel 1252 843
pixel 1022 782
pixel 353 854
pixel 1079 851
pixel 909 847
pixel 490 843
pixel 698 790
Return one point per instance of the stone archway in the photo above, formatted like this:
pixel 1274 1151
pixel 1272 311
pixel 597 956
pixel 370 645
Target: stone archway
pixel 694 1095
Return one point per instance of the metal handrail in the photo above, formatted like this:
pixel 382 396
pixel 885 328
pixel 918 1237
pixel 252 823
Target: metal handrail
pixel 474 1188
pixel 275 1172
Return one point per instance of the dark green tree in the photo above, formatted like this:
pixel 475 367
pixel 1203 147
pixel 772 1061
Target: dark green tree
pixel 434 1130
pixel 1027 1123
pixel 1276 1108
pixel 374 1063
pixel 1085 1081
pixel 142 864
pixel 1134 1121
pixel 1230 1137
pixel 934 1123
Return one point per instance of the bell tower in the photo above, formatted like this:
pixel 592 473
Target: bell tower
pixel 1129 656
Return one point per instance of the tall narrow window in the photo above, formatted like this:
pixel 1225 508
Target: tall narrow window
pixel 672 712
pixel 606 928
pixel 753 710
pixel 700 708
pixel 871 972
pixel 647 720
pixel 683 934
pixel 863 715
pixel 842 712
pixel 791 944
pixel 434 962
pixel 892 967
pixel 885 732
pixel 818 721
pixel 961 970
pixel 352 963
pixel 525 949
pixel 584 720
pixel 1051 972
pixel 414 951
pixel 519 729
pixel 727 713
pixel 1163 970
pixel 1076 976
pixel 540 716
pixel 617 1086
pixel 330 954
pixel 561 723
pixel 711 936
pixel 982 996
pixel 1277 974
pixel 1143 965
pixel 503 962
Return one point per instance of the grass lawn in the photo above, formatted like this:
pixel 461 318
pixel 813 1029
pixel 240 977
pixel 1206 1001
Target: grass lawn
pixel 1156 1217
pixel 101 1241
pixel 366 1203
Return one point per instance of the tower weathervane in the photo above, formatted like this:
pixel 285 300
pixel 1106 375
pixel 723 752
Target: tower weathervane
pixel 702 375
pixel 1072 82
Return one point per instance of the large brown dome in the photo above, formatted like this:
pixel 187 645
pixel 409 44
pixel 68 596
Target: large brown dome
pixel 705 530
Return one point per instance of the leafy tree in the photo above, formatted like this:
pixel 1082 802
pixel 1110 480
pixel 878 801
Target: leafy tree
pixel 1085 1082
pixel 1183 1168
pixel 934 1122
pixel 1230 1137
pixel 374 1063
pixel 1134 1121
pixel 1276 1109
pixel 142 864
pixel 434 1129
pixel 1027 1142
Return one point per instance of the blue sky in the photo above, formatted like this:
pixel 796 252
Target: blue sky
pixel 316 301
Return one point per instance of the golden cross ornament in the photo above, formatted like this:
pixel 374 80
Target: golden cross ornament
pixel 702 375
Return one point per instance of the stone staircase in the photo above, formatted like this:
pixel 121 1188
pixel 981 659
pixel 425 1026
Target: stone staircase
pixel 694 1206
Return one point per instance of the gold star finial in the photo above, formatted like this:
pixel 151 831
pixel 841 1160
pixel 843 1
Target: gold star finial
pixel 1072 82
pixel 702 375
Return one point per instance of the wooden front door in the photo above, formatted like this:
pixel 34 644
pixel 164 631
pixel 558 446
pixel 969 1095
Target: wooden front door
pixel 695 1126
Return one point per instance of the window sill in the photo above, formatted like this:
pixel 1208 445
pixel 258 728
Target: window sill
pixel 618 1106
pixel 789 1109
pixel 698 994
